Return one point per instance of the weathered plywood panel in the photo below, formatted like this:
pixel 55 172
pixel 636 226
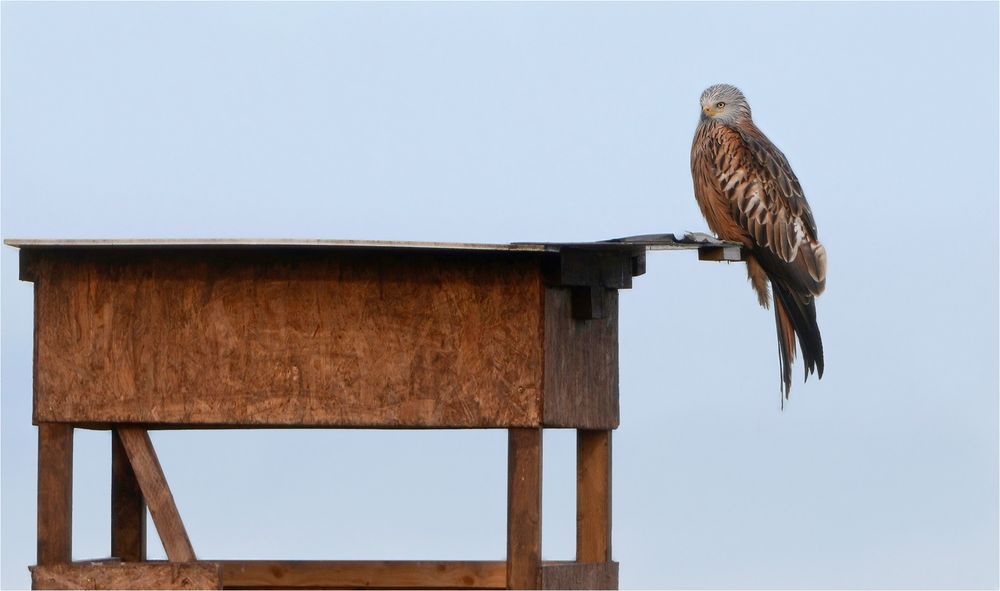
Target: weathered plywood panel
pixel 581 364
pixel 129 575
pixel 288 338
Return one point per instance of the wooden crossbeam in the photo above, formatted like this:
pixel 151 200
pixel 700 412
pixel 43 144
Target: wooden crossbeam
pixel 154 487
pixel 376 574
pixel 127 575
pixel 314 574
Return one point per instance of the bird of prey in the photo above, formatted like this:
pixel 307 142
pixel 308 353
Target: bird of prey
pixel 748 194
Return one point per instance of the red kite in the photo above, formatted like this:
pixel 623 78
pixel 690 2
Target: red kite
pixel 748 194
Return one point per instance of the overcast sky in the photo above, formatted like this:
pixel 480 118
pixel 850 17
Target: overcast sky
pixel 552 122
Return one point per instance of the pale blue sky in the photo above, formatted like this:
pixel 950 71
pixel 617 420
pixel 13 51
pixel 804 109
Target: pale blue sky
pixel 508 122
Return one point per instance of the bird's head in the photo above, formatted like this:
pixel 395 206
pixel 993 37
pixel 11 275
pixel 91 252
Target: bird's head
pixel 724 103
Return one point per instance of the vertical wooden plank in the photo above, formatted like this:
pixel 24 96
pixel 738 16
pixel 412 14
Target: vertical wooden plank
pixel 157 494
pixel 55 493
pixel 581 364
pixel 524 508
pixel 593 496
pixel 128 508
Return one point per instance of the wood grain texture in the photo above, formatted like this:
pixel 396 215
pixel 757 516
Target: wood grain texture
pixel 362 574
pixel 154 487
pixel 524 508
pixel 55 493
pixel 128 508
pixel 593 496
pixel 574 575
pixel 127 575
pixel 581 364
pixel 289 338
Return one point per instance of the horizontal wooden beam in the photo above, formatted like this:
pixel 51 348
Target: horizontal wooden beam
pixel 721 253
pixel 599 268
pixel 127 575
pixel 306 574
pixel 355 574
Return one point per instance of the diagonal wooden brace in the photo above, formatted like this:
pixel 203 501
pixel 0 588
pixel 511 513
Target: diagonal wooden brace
pixel 154 487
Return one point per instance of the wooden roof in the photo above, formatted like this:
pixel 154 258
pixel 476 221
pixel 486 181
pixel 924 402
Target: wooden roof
pixel 647 241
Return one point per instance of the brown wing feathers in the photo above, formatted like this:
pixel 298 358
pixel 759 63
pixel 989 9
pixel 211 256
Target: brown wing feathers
pixel 757 200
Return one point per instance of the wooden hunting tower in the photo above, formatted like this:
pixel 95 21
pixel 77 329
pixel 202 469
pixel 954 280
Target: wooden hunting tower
pixel 139 335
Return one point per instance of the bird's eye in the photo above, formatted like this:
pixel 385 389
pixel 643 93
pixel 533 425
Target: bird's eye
pixel 719 105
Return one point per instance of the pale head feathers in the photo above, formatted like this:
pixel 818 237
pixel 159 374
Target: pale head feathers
pixel 724 103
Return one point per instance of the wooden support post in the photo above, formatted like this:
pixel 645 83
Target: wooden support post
pixel 55 493
pixel 128 508
pixel 593 496
pixel 157 494
pixel 524 508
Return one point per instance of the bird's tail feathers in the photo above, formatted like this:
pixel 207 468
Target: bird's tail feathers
pixel 796 313
pixel 786 346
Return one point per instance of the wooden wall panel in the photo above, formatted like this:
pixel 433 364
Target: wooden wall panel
pixel 581 364
pixel 288 338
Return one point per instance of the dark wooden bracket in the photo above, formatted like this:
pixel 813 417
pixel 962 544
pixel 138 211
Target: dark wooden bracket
pixel 591 274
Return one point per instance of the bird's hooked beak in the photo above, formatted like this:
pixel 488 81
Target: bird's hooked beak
pixel 708 110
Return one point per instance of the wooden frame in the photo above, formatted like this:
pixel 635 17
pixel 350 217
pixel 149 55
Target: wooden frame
pixel 146 335
pixel 138 480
